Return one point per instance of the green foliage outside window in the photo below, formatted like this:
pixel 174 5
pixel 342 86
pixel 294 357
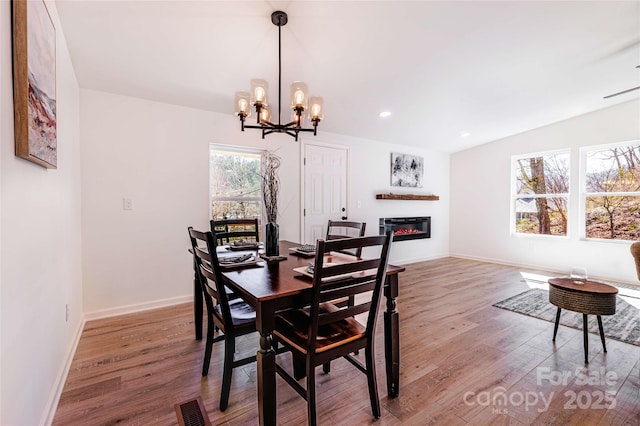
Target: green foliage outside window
pixel 235 185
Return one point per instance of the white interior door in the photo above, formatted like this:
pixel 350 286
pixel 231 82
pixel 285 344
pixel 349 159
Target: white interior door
pixel 325 189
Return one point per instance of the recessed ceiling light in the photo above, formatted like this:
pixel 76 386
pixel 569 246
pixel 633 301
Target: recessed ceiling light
pixel 465 134
pixel 384 114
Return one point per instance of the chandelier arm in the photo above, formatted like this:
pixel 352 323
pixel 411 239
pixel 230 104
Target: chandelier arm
pixel 272 130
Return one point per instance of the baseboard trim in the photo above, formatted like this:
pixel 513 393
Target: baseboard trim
pixel 52 404
pixel 138 307
pixel 507 263
pixel 538 267
pixel 421 259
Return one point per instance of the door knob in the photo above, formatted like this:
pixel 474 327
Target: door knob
pixel 344 218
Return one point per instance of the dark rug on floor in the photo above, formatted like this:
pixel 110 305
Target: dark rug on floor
pixel 624 325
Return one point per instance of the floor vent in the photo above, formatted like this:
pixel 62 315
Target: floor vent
pixel 192 413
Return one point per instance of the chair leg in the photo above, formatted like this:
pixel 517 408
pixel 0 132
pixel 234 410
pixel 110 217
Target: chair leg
pixel 208 347
pixel 298 367
pixel 555 327
pixel 229 350
pixel 326 367
pixel 371 380
pixel 311 395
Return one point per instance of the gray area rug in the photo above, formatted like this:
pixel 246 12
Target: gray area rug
pixel 623 326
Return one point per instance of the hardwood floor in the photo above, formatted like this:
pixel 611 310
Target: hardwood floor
pixel 463 362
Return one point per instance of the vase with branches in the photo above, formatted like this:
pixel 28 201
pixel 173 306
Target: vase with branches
pixel 270 192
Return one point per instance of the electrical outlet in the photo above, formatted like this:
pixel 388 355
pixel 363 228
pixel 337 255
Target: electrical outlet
pixel 66 313
pixel 127 204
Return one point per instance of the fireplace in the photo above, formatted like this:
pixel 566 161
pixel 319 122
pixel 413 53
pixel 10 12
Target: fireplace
pixel 406 228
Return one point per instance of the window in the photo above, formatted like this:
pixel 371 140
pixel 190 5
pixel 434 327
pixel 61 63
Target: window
pixel 611 191
pixel 234 184
pixel 540 193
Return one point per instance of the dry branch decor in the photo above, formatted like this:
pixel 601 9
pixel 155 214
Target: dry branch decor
pixel 270 185
pixel 270 192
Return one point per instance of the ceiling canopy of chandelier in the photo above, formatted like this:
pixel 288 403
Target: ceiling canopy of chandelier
pixel 300 100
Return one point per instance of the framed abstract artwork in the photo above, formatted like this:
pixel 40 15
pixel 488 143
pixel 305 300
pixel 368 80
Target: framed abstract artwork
pixel 406 170
pixel 34 83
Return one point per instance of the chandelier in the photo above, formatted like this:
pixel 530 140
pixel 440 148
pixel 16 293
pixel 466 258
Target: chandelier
pixel 299 100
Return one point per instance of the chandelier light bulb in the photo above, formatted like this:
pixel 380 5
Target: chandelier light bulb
pixel 317 107
pixel 298 95
pixel 259 90
pixel 243 107
pixel 265 114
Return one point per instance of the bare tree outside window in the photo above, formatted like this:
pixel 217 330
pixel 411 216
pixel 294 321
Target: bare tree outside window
pixel 541 198
pixel 235 184
pixel 612 192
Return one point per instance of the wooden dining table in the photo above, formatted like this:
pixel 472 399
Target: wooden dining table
pixel 272 286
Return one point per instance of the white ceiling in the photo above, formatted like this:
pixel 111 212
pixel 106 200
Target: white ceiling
pixel 443 68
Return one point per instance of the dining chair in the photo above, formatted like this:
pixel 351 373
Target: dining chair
pixel 322 331
pixel 227 230
pixel 232 317
pixel 337 229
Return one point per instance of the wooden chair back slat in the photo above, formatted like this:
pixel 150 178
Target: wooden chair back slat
pixel 342 291
pixel 352 267
pixel 331 317
pixel 232 229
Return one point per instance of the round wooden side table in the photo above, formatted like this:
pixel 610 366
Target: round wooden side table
pixel 585 297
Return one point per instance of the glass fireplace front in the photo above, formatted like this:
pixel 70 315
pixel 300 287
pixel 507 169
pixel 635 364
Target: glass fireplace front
pixel 406 228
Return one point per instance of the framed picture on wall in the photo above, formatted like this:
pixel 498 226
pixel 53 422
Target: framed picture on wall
pixel 34 83
pixel 406 170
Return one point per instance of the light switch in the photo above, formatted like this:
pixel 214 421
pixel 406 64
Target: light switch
pixel 127 204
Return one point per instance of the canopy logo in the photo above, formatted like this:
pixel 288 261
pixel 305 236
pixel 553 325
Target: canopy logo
pixel 598 399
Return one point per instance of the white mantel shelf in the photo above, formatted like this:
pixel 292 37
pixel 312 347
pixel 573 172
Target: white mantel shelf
pixel 407 197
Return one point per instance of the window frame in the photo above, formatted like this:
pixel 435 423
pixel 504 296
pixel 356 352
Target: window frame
pixel 238 150
pixel 514 196
pixel 583 194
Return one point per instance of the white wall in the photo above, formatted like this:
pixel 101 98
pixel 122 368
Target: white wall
pixel 39 249
pixel 480 198
pixel 369 165
pixel 157 154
